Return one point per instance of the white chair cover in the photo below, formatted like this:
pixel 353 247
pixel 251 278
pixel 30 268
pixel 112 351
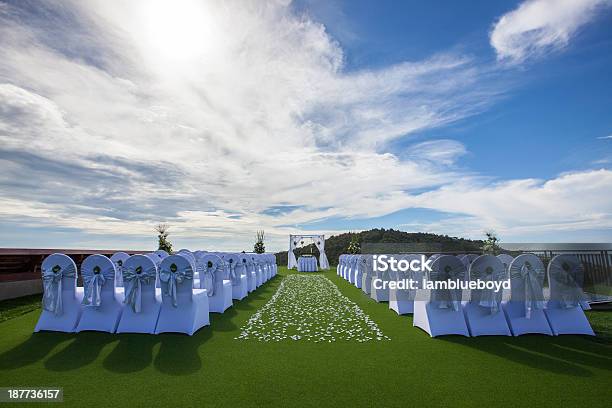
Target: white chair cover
pixel 402 300
pixel 506 260
pixel 256 258
pixel 361 265
pixel 483 312
pixel 347 266
pixel 61 302
pixel 240 285
pixel 434 257
pixel 192 258
pixel 381 294
pixel 366 273
pixel 155 258
pixel 184 309
pixel 212 268
pixel 102 303
pixel 247 259
pixel 161 253
pixel 344 267
pixel 440 312
pixel 274 265
pixel 564 309
pixel 525 309
pixel 265 262
pixel 142 299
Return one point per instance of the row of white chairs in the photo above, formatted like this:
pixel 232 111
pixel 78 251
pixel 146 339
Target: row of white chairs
pixel 527 307
pixel 150 293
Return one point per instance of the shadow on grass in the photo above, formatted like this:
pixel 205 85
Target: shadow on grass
pixel 33 350
pixel 178 353
pixel 581 351
pixel 133 352
pixel 82 351
pixel 223 321
pixel 568 356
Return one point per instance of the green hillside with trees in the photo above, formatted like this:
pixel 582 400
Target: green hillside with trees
pixel 386 241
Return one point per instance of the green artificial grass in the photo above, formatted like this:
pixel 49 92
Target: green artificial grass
pixel 12 308
pixel 214 368
pixel 601 322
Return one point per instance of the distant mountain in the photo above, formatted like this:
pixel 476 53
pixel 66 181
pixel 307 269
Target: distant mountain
pixel 387 241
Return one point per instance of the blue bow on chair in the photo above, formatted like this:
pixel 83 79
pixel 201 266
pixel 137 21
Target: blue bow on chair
pixel 533 289
pixel 568 275
pixel 173 276
pixel 234 277
pixel 454 295
pixel 489 298
pixel 133 279
pixel 93 281
pixel 209 270
pixel 52 283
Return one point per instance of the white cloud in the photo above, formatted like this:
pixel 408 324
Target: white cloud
pixel 209 125
pixel 605 137
pixel 441 151
pixel 539 26
pixel 572 201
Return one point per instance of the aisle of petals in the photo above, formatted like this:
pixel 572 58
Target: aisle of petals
pixel 310 308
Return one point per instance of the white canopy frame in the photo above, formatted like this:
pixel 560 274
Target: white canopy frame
pixel 318 240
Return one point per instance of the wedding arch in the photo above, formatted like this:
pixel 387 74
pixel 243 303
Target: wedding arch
pixel 318 240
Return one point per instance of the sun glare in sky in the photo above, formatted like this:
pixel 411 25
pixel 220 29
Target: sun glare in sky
pixel 177 31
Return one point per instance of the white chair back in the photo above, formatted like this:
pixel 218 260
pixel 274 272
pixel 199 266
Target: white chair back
pixel 98 274
pixel 176 276
pixel 59 275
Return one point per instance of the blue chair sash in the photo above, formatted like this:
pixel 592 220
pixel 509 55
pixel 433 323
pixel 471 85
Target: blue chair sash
pixel 534 296
pixel 454 295
pixel 93 283
pixel 570 291
pixel 211 273
pixel 52 284
pixel 568 283
pixel 234 276
pixel 133 280
pixel 173 278
pixel 489 298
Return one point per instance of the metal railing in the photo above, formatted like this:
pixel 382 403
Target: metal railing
pixel 20 264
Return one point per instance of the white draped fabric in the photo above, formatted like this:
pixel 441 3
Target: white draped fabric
pixel 320 244
pixel 295 240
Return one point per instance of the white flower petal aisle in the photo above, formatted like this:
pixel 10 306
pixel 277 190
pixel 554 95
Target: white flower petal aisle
pixel 310 308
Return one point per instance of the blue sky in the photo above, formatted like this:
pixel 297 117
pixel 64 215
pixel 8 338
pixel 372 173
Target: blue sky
pixel 561 102
pixel 442 116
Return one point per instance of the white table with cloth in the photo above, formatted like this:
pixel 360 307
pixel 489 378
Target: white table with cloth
pixel 307 264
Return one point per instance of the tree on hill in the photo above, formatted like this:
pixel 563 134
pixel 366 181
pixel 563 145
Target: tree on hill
pixel 388 241
pixel 162 237
pixel 354 246
pixel 259 247
pixel 490 245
